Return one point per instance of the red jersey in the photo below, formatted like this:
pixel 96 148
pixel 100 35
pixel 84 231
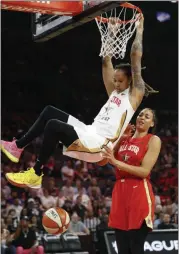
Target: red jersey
pixel 132 198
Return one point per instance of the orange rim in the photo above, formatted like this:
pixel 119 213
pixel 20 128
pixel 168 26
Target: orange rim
pixel 126 5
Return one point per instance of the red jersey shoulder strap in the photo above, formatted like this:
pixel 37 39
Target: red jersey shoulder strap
pixel 148 137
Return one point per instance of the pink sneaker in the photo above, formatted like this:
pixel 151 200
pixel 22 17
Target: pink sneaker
pixel 11 150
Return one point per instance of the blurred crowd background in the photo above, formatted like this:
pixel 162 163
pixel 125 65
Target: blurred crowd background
pixel 84 190
pixel 66 72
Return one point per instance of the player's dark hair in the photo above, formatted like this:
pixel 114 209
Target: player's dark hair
pixel 126 67
pixel 153 129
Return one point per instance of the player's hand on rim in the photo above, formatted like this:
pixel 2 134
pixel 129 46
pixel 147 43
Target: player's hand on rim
pixel 140 22
pixel 113 25
pixel 113 21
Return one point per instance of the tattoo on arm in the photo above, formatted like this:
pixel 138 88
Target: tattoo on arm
pixel 137 44
pixel 136 55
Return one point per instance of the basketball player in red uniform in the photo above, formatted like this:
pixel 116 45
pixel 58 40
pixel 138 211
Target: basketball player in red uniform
pixel 132 210
pixel 125 88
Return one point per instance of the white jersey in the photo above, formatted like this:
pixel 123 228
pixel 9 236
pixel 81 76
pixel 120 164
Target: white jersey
pixel 114 116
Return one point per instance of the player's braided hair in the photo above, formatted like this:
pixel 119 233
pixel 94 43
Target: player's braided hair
pixel 126 67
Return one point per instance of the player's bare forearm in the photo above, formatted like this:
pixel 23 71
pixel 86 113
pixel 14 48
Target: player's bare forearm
pixel 137 49
pixel 107 60
pixel 133 170
pixel 117 145
pixel 138 85
pixel 136 55
pixel 108 74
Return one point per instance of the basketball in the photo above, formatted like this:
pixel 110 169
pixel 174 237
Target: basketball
pixel 55 221
pixel 103 162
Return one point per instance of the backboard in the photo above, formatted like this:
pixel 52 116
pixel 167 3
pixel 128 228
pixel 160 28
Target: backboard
pixel 50 19
pixel 46 26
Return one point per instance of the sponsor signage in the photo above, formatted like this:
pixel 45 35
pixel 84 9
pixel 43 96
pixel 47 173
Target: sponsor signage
pixel 159 241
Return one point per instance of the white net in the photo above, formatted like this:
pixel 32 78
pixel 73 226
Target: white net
pixel 115 35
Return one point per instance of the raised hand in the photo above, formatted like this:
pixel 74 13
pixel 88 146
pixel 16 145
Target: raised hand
pixel 113 26
pixel 140 22
pixel 129 131
pixel 108 154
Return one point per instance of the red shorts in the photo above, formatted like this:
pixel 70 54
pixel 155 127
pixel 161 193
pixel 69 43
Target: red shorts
pixel 132 202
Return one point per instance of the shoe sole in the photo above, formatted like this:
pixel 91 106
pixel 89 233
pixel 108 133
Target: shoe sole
pixel 14 183
pixel 9 155
pixel 22 185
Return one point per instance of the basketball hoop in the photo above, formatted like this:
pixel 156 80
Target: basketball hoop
pixel 114 37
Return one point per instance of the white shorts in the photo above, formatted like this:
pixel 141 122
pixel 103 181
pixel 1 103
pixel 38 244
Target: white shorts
pixel 88 146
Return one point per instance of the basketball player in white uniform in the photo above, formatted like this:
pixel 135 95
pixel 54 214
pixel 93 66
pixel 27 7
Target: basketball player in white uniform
pixel 125 88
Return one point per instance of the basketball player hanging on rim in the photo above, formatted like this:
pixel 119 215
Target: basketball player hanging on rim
pixel 125 88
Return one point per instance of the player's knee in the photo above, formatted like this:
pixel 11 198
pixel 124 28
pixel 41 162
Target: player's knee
pixel 47 109
pixel 54 125
pixel 50 125
pixel 46 113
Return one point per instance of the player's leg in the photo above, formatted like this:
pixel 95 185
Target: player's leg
pixel 55 131
pixel 14 149
pixel 37 128
pixel 122 241
pixel 137 239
